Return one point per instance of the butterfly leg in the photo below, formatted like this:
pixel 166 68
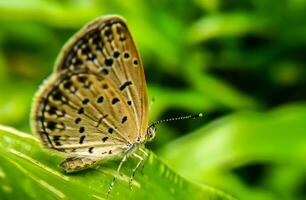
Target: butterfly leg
pixel 117 174
pixel 146 155
pixel 134 170
pixel 143 151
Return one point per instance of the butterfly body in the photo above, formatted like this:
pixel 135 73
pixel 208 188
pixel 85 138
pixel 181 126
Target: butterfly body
pixel 75 164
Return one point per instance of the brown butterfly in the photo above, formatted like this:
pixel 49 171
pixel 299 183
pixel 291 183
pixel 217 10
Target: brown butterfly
pixel 94 106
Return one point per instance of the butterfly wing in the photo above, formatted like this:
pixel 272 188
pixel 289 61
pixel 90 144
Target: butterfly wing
pixel 95 103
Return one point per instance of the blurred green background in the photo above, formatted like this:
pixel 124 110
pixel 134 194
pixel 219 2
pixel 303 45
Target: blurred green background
pixel 241 62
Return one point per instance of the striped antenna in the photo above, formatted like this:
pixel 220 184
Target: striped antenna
pixel 177 118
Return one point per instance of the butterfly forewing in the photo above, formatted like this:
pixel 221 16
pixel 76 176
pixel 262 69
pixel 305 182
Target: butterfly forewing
pixel 95 102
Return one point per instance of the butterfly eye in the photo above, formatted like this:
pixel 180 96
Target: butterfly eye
pixel 151 133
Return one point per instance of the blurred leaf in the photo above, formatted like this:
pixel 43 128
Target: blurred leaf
pixel 50 12
pixel 213 88
pixel 212 5
pixel 15 101
pixel 3 67
pixel 209 154
pixel 35 175
pixel 220 25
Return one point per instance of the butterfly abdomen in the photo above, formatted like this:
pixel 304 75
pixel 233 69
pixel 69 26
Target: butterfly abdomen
pixel 74 164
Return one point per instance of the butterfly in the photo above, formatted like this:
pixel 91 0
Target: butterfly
pixel 94 106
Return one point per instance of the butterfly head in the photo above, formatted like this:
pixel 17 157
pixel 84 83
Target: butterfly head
pixel 151 132
pixel 152 129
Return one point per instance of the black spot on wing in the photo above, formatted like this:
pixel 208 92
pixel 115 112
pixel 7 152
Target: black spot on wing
pixel 115 100
pixel 105 86
pixel 116 54
pixel 108 62
pixel 104 139
pixel 105 72
pixel 90 150
pixel 52 110
pixel 81 129
pixel 126 55
pixel 57 95
pixel 85 101
pixel 135 62
pixel 100 99
pixel 82 79
pixel 125 85
pixel 51 125
pixel 124 119
pixel 81 111
pixel 82 139
pixel 56 140
pixel 77 120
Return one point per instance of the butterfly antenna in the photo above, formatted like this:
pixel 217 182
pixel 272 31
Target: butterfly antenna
pixel 178 118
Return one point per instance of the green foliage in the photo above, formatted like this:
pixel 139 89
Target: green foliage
pixel 274 142
pixel 242 63
pixel 36 175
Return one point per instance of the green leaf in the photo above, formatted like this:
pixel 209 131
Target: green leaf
pixel 29 172
pixel 275 139
pixel 220 25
